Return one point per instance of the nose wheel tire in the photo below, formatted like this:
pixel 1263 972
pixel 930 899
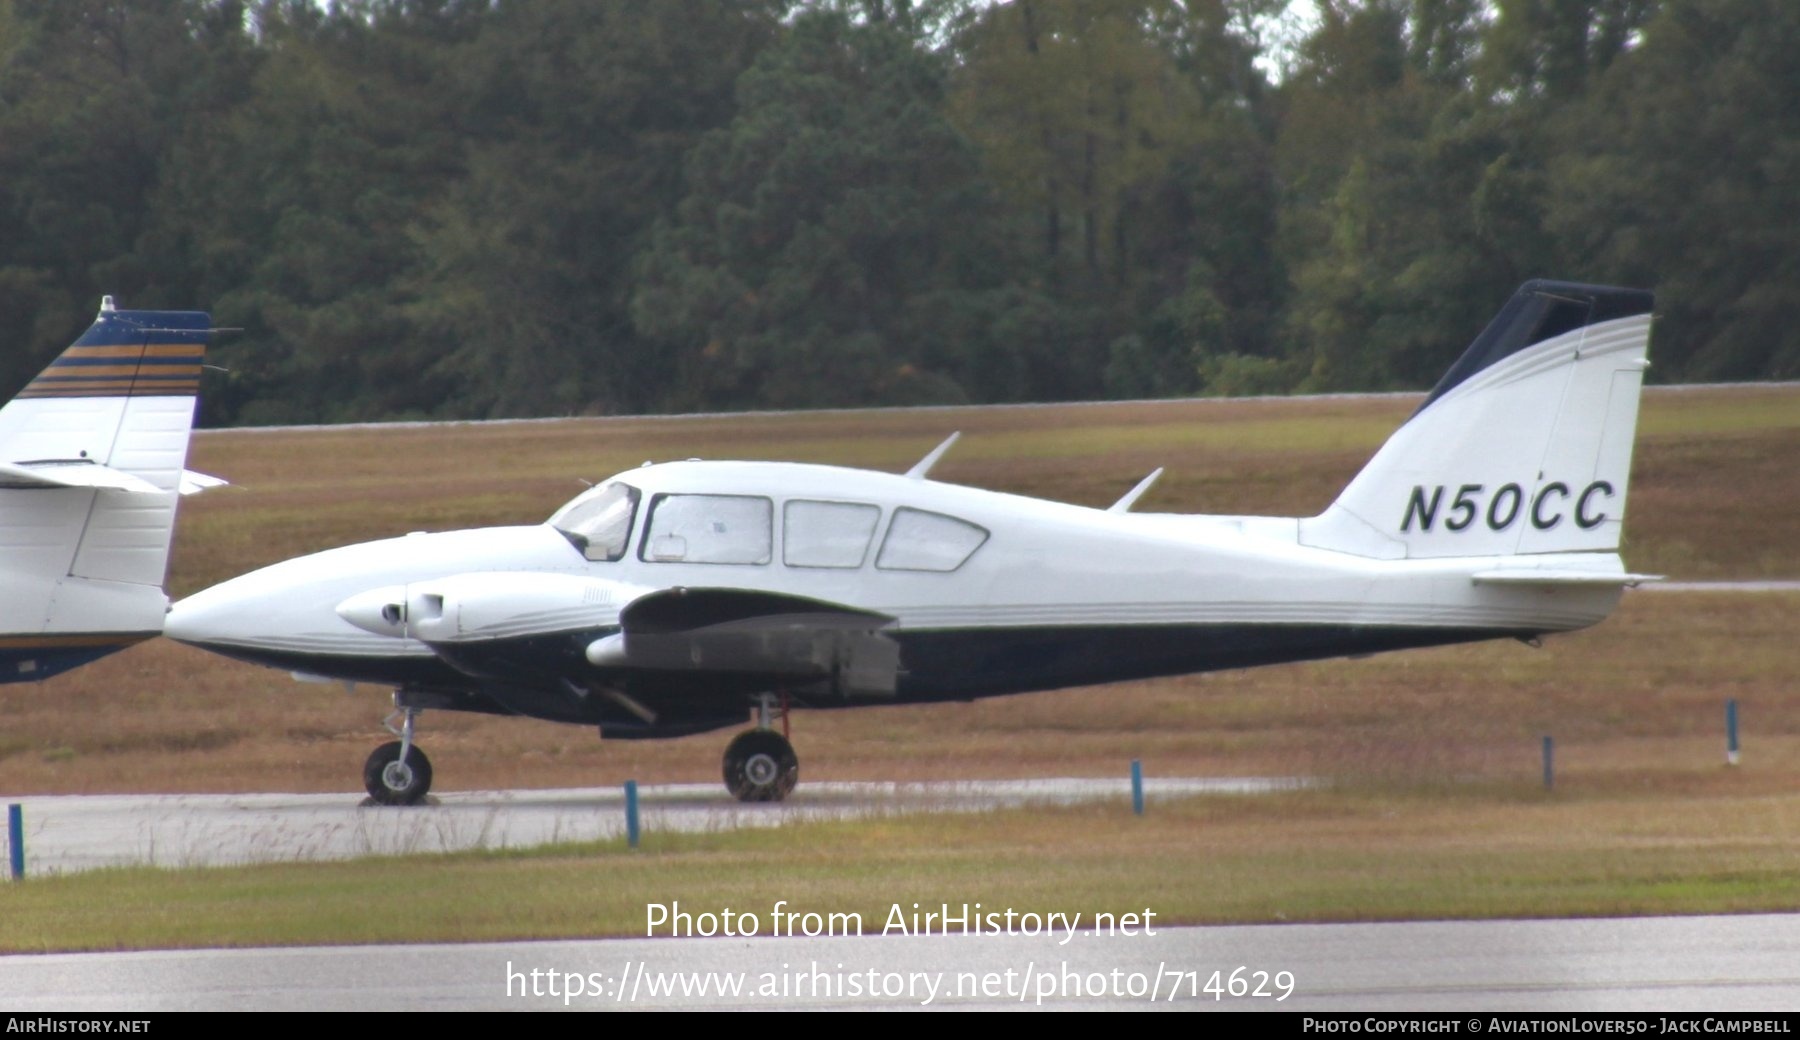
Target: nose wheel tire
pixel 391 781
pixel 760 766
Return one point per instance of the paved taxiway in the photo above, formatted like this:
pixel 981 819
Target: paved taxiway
pixel 73 833
pixel 1740 964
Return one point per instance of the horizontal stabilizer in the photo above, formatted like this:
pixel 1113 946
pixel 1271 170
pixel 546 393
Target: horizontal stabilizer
pixel 71 473
pixel 1545 576
pixel 193 483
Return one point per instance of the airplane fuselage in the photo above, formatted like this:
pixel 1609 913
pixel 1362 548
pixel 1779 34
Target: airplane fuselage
pixel 988 593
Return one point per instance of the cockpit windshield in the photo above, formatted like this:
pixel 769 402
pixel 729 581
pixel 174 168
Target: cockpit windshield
pixel 598 522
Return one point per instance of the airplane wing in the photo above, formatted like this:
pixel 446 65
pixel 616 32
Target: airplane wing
pixel 70 473
pixel 743 631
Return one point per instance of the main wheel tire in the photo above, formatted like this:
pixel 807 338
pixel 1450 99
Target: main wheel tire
pixel 760 766
pixel 392 782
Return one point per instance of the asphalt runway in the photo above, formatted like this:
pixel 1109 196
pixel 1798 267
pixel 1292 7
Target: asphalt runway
pixel 65 834
pixel 1734 964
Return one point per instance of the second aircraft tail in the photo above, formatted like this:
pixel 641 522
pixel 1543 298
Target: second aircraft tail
pixel 92 461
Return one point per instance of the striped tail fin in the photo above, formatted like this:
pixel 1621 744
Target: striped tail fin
pixel 92 462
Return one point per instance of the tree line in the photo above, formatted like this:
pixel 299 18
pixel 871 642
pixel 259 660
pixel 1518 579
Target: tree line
pixel 487 208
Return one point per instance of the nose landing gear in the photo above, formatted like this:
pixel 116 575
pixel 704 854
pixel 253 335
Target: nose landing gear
pixel 398 773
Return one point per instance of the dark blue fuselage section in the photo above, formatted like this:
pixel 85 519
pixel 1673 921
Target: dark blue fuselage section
pixel 548 676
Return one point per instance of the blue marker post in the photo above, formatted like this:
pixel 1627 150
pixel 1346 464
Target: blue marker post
pixel 15 838
pixel 631 813
pixel 1731 741
pixel 1549 760
pixel 1137 787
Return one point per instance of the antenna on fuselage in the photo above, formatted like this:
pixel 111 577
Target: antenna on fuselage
pixel 923 466
pixel 1124 505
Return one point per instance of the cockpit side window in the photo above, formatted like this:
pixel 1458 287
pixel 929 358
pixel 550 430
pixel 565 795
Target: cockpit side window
pixel 827 534
pixel 599 522
pixel 921 541
pixel 708 529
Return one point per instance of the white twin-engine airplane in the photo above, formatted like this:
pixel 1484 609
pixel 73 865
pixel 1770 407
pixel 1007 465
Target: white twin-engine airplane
pixel 91 465
pixel 680 598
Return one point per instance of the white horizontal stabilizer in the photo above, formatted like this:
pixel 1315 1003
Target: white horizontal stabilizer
pixel 192 482
pixel 1545 576
pixel 71 473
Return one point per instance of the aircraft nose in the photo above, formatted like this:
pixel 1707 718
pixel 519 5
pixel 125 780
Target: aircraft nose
pixel 381 611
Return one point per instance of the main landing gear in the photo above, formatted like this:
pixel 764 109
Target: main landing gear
pixel 760 764
pixel 397 773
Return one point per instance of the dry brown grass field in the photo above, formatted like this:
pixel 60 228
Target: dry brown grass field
pixel 1636 703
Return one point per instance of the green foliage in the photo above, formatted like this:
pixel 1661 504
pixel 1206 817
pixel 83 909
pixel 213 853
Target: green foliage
pixel 577 121
pixel 1134 167
pixel 94 96
pixel 832 237
pixel 293 210
pixel 449 208
pixel 1243 375
pixel 1550 50
pixel 1679 174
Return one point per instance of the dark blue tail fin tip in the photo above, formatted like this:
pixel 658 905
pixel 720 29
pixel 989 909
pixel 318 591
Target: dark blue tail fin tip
pixel 134 328
pixel 1541 310
pixel 129 354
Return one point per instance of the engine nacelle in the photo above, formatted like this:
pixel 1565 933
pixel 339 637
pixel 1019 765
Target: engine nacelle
pixel 487 606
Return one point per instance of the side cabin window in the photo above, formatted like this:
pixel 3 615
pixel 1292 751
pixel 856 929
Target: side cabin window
pixel 708 529
pixel 599 522
pixel 921 541
pixel 827 534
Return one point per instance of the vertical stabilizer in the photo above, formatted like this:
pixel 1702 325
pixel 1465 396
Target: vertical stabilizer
pixel 1524 447
pixel 92 457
